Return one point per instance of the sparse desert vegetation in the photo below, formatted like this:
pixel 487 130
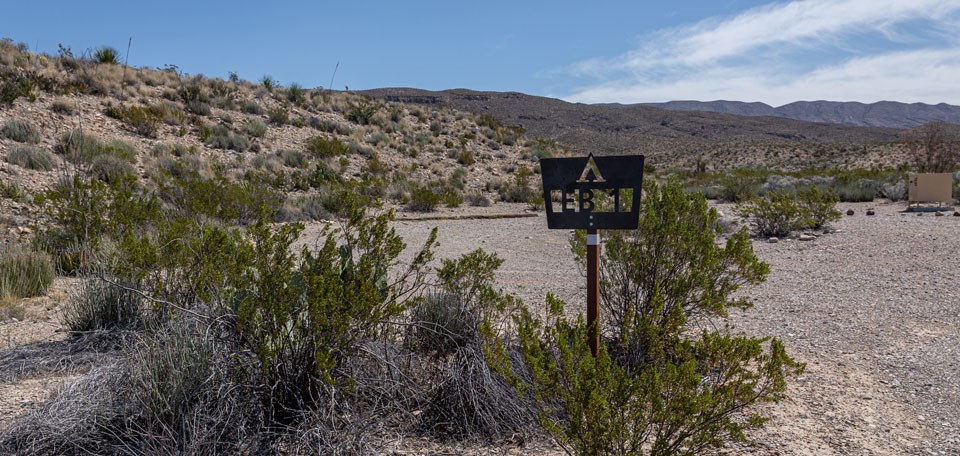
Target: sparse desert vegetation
pixel 245 267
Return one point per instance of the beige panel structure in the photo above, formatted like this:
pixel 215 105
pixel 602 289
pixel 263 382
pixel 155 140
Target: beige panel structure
pixel 931 188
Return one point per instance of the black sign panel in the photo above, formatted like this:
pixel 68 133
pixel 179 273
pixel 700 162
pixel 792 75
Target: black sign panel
pixel 592 192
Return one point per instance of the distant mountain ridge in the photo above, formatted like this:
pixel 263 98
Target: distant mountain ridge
pixel 890 114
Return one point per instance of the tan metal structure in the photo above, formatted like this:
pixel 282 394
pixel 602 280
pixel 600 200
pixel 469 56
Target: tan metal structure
pixel 930 188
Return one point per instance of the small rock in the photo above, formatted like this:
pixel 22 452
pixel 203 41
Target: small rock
pixel 773 240
pixel 807 237
pixel 720 214
pixel 956 213
pixel 870 212
pixel 850 212
pixel 939 214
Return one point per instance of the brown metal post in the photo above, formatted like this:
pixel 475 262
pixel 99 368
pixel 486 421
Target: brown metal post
pixel 593 288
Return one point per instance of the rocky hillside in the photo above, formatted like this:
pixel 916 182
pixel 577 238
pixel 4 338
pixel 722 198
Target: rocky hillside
pixel 888 114
pixel 65 115
pixel 672 138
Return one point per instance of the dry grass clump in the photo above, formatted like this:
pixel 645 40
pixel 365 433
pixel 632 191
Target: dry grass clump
pixel 24 273
pixel 99 305
pixel 20 131
pixel 30 157
pixel 81 147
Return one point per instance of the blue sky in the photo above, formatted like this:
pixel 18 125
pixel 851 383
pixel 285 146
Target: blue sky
pixel 774 52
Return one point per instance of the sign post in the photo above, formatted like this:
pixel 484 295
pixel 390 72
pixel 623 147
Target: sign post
pixel 592 193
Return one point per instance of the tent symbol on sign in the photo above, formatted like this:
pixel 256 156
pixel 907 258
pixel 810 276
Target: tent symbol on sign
pixel 591 173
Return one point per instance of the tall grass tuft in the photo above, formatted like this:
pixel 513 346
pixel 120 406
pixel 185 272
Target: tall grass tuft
pixel 100 305
pixel 24 273
pixel 30 157
pixel 19 131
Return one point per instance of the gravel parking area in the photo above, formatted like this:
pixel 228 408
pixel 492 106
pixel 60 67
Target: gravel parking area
pixel 873 309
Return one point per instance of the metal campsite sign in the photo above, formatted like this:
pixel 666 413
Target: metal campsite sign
pixel 592 193
pixel 572 189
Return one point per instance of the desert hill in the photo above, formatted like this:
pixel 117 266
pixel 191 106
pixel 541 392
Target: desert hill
pixel 670 137
pixel 889 114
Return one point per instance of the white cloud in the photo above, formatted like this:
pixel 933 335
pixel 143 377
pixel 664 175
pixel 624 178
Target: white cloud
pixel 803 50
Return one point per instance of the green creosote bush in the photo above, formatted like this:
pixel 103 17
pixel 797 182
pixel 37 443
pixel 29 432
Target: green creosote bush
pixel 779 213
pixel 301 316
pixel 820 207
pixel 268 83
pixel 519 191
pixel 362 112
pixel 99 305
pixel 423 199
pixel 107 55
pixel 776 213
pixel 24 273
pixel 15 85
pixel 222 137
pixel 322 147
pixel 86 210
pixel 19 131
pixel 658 386
pixel 296 94
pixel 30 157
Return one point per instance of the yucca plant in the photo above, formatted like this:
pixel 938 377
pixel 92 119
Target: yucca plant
pixel 107 54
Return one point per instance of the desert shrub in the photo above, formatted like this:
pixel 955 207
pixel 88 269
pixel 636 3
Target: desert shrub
pixel 100 305
pixel 255 128
pixel 110 168
pixel 323 175
pixel 106 54
pixel 894 191
pixel 362 112
pixel 296 94
pixel 222 137
pixel 819 207
pixel 24 273
pixel 16 84
pixel 251 107
pixel 293 158
pixel 657 385
pixel 379 139
pixel 334 298
pixel 82 147
pixel 423 199
pixel 518 191
pixel 140 118
pixel 774 214
pixel 330 126
pixel 84 211
pixel 268 83
pixel 863 190
pixel 172 392
pixel 478 199
pixel 738 188
pixel 451 316
pixel 11 190
pixel 320 146
pixel 20 131
pixel 200 108
pixel 62 107
pixel 466 158
pixel 234 202
pixel 30 157
pixel 278 116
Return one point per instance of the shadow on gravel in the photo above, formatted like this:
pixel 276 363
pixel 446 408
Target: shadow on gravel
pixel 77 354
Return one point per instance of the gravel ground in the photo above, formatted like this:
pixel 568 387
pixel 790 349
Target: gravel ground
pixel 873 309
